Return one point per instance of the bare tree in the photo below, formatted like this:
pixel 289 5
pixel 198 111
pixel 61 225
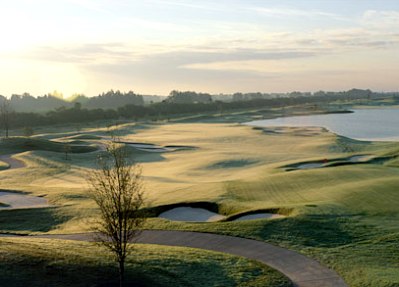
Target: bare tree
pixel 67 149
pixel 5 110
pixel 117 189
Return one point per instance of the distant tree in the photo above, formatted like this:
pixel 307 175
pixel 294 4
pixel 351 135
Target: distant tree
pixel 28 131
pixel 5 111
pixel 117 189
pixel 188 97
pixel 67 150
pixel 56 94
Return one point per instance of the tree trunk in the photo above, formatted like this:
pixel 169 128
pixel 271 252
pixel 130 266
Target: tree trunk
pixel 121 272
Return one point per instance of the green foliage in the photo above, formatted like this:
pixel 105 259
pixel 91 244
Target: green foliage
pixel 28 131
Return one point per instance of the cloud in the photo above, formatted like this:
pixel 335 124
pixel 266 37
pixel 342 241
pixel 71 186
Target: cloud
pixel 290 12
pixel 381 19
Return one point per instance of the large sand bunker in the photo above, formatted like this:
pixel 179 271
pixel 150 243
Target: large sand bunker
pixel 191 214
pixel 198 214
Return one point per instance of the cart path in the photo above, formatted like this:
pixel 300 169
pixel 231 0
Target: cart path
pixel 19 200
pixel 13 162
pixel 303 271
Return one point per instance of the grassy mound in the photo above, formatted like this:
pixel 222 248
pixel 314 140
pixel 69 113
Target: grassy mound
pixel 78 142
pixel 19 144
pixel 85 137
pixel 43 262
pixel 3 165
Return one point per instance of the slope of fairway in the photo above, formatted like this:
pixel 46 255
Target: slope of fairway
pixel 345 216
pixel 39 262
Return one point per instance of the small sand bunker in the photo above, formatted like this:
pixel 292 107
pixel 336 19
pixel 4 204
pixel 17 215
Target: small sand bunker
pixel 310 165
pixel 14 200
pixel 259 216
pixel 191 214
pixel 359 158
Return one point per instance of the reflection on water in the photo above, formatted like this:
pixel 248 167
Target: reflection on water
pixel 370 124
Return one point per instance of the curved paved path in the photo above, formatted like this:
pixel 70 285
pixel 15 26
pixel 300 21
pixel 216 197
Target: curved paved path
pixel 303 271
pixel 15 199
pixel 19 200
pixel 13 162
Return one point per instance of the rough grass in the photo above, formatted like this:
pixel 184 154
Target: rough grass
pixel 40 262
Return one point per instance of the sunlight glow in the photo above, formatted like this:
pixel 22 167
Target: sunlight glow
pixel 153 46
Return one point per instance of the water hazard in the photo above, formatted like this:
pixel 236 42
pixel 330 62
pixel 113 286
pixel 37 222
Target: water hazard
pixel 367 124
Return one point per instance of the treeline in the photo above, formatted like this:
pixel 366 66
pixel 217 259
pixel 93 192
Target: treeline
pixel 109 100
pixel 116 99
pixel 78 113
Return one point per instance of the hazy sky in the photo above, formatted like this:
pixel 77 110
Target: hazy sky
pixel 154 46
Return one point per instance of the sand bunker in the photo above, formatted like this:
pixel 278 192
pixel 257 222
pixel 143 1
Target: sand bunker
pixel 332 162
pixel 191 214
pixel 359 158
pixel 310 165
pixel 259 216
pixel 15 200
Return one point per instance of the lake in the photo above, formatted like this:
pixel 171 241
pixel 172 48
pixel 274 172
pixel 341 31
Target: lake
pixel 367 124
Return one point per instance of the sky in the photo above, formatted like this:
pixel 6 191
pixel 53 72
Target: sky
pixel 224 46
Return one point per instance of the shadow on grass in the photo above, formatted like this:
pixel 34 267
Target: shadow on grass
pixel 318 230
pixel 34 271
pixel 31 220
pixel 315 230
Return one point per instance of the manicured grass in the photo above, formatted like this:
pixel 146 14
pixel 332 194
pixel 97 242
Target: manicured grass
pixel 43 262
pixel 344 216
